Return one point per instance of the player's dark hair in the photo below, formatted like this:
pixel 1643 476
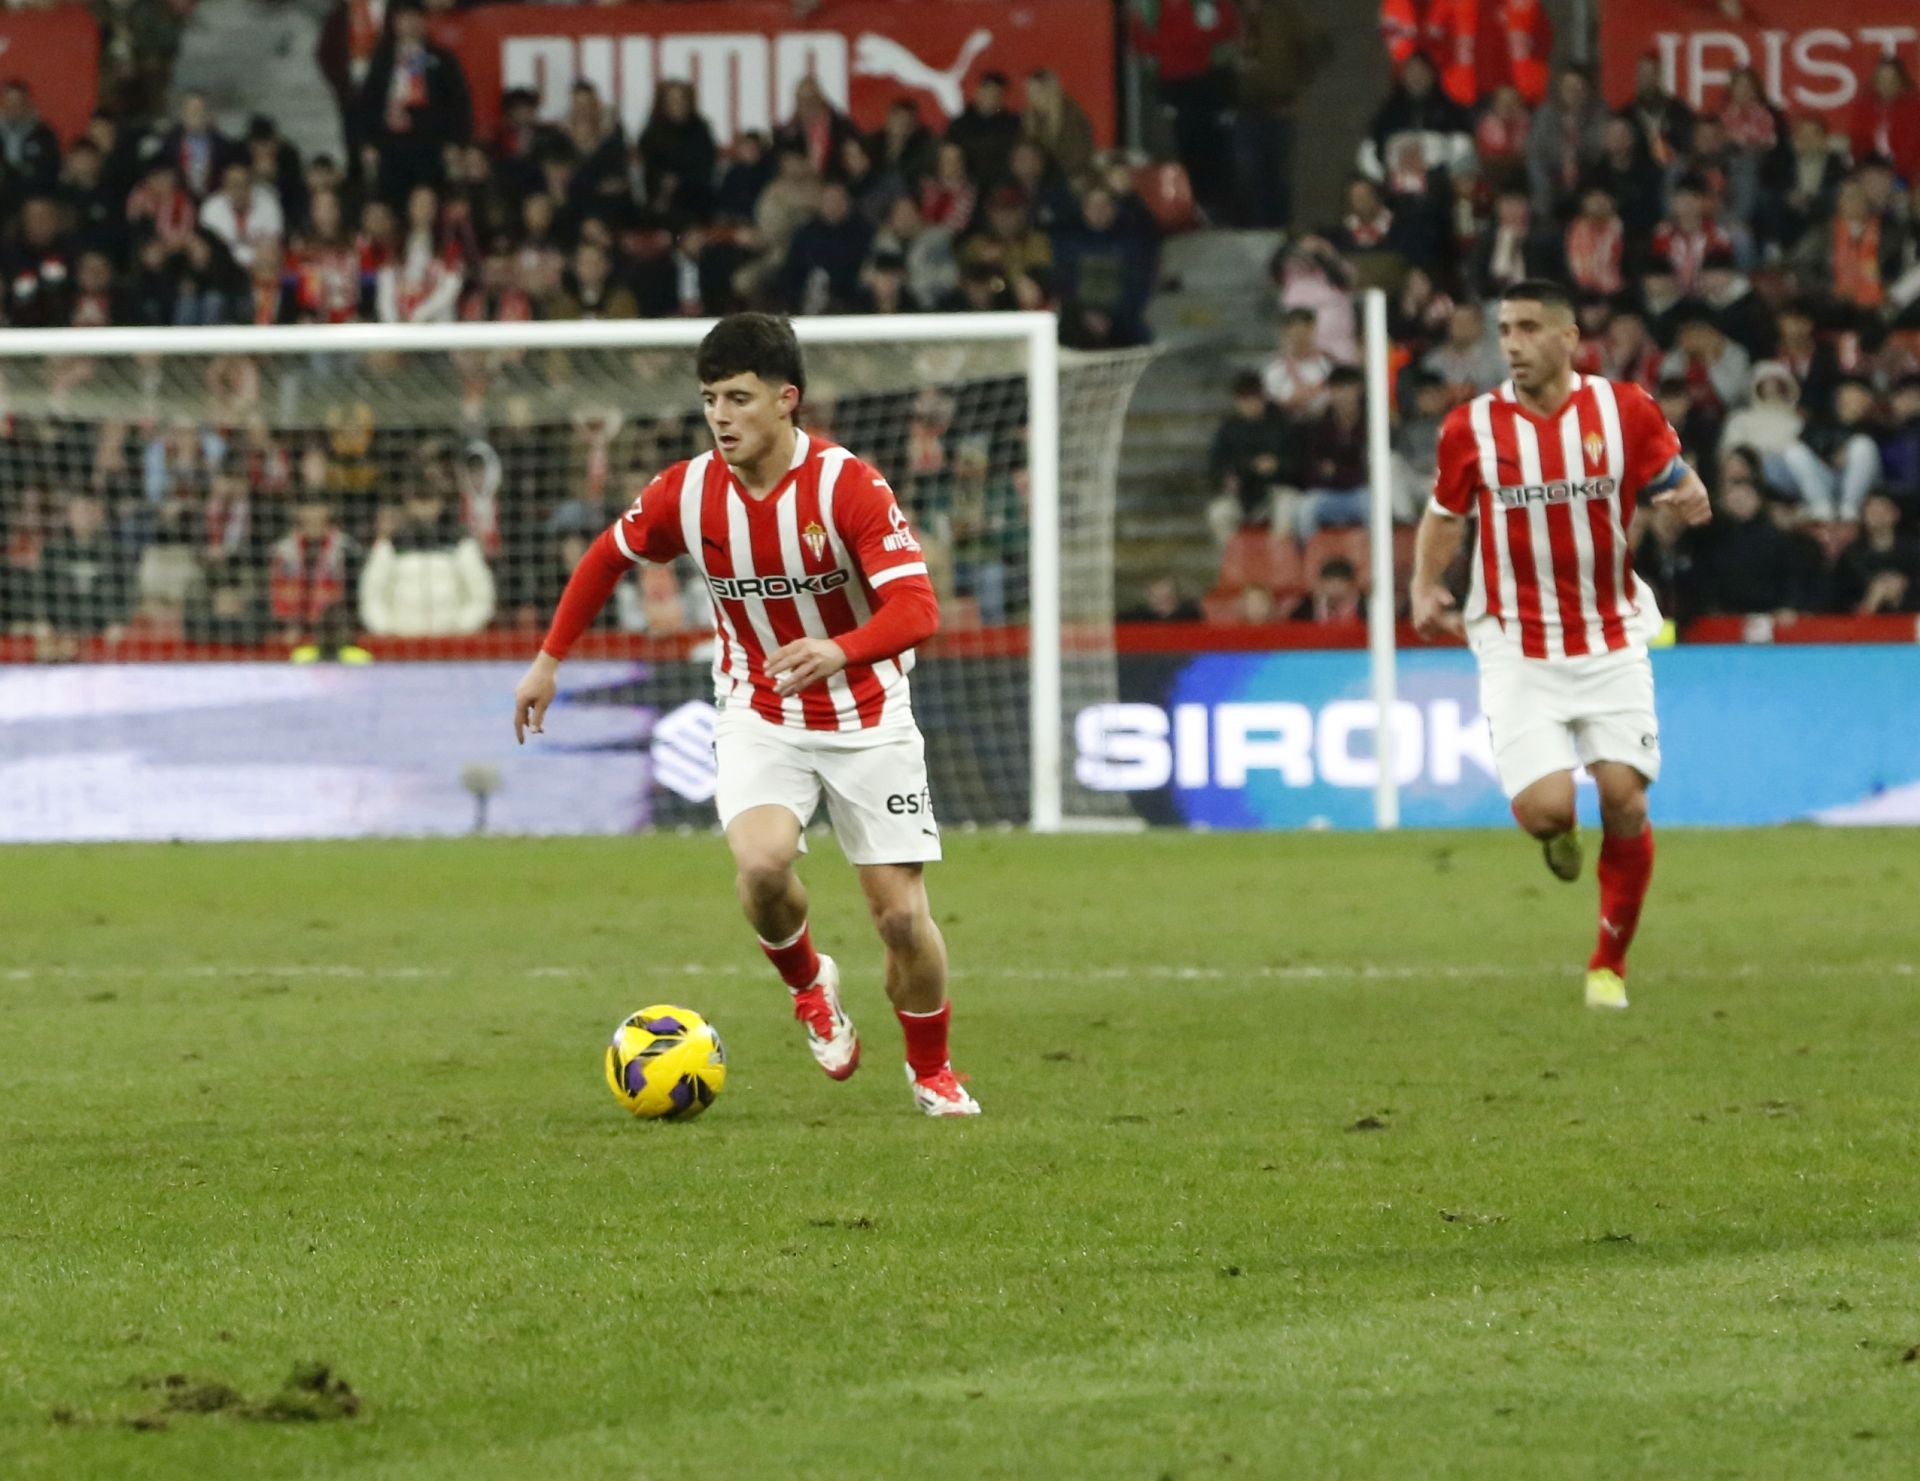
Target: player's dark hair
pixel 1542 291
pixel 752 344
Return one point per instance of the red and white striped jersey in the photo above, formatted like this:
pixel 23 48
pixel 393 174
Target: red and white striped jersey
pixel 804 562
pixel 1554 496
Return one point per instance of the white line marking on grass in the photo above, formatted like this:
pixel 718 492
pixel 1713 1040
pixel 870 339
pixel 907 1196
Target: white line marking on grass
pixel 1136 971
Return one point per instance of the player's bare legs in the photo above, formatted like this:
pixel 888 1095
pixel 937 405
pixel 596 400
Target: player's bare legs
pixel 1625 870
pixel 1545 810
pixel 765 841
pixel 916 978
pixel 916 951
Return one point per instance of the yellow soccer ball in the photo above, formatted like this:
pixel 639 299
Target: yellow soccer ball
pixel 666 1063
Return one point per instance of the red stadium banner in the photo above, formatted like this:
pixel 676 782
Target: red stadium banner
pixel 745 57
pixel 57 54
pixel 1814 56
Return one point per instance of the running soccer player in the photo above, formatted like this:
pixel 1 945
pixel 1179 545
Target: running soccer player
pixel 1553 465
pixel 820 593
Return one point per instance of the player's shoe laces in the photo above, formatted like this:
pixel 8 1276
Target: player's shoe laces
pixel 1562 853
pixel 830 1033
pixel 1606 989
pixel 941 1094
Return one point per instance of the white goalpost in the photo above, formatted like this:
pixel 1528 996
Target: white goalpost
pixel 1383 603
pixel 207 454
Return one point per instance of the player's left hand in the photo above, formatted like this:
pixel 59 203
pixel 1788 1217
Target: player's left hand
pixel 805 662
pixel 1688 499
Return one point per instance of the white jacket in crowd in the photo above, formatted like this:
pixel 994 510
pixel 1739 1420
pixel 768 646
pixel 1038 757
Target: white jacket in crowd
pixel 426 592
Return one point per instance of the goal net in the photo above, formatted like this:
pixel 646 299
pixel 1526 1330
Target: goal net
pixel 264 583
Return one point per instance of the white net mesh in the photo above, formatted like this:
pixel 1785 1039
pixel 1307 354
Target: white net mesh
pixel 264 594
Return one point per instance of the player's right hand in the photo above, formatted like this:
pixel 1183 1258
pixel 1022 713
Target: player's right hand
pixel 532 695
pixel 1434 615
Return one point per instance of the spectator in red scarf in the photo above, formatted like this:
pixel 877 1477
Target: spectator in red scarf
pixel 325 264
pixel 1596 245
pixel 1757 148
pixel 1689 234
pixel 1855 256
pixel 413 104
pixel 311 571
pixel 949 195
pixel 349 37
pixel 1886 121
pixel 1500 140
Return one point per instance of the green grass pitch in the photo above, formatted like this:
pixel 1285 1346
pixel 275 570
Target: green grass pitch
pixel 1300 1159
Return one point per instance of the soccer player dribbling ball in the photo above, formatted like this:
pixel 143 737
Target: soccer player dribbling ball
pixel 1554 464
pixel 820 592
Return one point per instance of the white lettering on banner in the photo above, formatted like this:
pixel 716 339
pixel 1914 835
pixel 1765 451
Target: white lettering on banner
pixel 1278 736
pixel 742 80
pixel 1140 748
pixel 1190 746
pixel 1452 738
pixel 1123 748
pixel 1334 751
pixel 1816 68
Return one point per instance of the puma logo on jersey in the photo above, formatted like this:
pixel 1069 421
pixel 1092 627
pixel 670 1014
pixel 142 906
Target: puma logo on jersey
pixel 744 588
pixel 1561 491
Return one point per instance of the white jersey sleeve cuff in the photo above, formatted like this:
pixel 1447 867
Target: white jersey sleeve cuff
pixel 894 573
pixel 620 539
pixel 1434 506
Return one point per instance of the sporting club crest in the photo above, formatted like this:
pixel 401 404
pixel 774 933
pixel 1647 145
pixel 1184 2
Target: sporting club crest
pixel 1596 447
pixel 816 539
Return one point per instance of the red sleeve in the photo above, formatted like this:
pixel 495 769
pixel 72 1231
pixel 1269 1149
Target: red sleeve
pixel 1652 444
pixel 888 556
pixel 1457 477
pixel 875 528
pixel 907 615
pixel 650 530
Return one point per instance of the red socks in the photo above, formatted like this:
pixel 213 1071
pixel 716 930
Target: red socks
pixel 926 1039
pixel 794 959
pixel 1625 869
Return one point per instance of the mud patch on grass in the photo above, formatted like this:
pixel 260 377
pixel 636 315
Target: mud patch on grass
pixel 312 1392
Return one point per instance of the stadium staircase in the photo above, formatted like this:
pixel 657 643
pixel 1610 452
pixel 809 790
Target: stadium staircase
pixel 1213 318
pixel 257 56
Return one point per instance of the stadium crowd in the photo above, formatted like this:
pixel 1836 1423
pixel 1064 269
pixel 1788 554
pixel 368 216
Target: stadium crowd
pixel 1759 273
pixel 1756 271
pixel 221 530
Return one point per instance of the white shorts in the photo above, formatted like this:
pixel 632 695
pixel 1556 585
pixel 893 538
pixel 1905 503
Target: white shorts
pixel 875 783
pixel 1548 715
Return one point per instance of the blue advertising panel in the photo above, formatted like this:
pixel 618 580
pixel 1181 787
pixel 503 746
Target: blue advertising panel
pixel 1286 740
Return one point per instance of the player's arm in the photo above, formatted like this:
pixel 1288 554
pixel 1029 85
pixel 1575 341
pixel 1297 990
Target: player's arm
pixel 906 611
pixel 1678 487
pixel 645 532
pixel 1435 545
pixel 1443 530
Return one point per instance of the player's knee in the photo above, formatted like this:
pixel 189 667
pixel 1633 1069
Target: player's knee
pixel 901 927
pixel 763 879
pixel 1624 814
pixel 1544 817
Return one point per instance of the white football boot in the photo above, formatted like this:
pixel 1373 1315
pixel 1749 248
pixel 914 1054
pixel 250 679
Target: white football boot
pixel 830 1033
pixel 941 1094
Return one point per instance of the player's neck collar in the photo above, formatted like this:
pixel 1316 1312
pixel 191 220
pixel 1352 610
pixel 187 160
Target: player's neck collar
pixel 1511 392
pixel 802 445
